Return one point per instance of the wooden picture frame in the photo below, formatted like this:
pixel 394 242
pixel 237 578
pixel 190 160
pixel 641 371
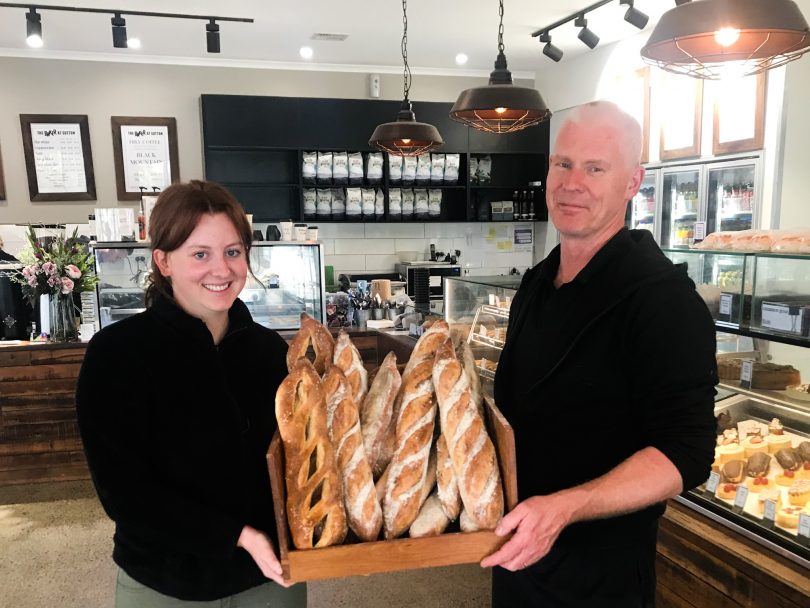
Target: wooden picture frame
pixel 2 181
pixel 740 108
pixel 683 116
pixel 62 168
pixel 162 148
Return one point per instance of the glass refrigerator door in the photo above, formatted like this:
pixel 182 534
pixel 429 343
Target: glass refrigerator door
pixel 679 206
pixel 731 197
pixel 642 207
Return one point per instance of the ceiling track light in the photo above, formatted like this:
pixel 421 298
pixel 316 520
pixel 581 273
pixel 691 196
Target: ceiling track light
pixel 33 26
pixel 712 38
pixel 633 16
pixel 549 50
pixel 500 107
pixel 586 35
pixel 405 136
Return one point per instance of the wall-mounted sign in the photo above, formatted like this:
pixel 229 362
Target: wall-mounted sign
pixel 145 154
pixel 680 103
pixel 58 160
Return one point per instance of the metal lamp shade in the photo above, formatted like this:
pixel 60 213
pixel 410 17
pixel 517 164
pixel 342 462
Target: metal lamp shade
pixel 406 137
pixel 500 108
pixel 771 33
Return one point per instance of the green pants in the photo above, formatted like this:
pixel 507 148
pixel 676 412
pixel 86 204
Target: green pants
pixel 129 593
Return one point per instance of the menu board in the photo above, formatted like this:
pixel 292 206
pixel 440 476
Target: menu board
pixel 58 157
pixel 146 157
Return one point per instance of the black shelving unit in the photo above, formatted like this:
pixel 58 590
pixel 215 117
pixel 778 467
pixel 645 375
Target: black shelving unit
pixel 254 147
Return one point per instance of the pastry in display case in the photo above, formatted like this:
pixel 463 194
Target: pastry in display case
pixel 479 308
pixel 287 279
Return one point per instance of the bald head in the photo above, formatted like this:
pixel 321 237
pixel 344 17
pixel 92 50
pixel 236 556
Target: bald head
pixel 606 115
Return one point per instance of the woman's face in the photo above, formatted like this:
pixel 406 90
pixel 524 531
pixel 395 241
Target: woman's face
pixel 207 271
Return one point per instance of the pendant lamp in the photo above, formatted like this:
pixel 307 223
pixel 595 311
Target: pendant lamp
pixel 500 107
pixel 406 137
pixel 711 38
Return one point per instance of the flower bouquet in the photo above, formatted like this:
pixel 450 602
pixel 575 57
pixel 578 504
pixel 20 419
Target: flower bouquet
pixel 59 269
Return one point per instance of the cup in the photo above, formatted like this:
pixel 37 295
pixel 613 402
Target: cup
pixel 300 231
pixel 361 316
pixel 286 230
pixel 377 313
pixel 312 233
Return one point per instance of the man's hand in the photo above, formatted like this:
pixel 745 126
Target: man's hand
pixel 538 522
pixel 261 550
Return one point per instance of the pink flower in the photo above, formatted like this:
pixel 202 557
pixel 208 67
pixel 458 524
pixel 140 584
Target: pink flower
pixel 67 285
pixel 32 281
pixel 49 268
pixel 73 271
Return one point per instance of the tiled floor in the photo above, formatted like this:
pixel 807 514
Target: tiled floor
pixel 55 543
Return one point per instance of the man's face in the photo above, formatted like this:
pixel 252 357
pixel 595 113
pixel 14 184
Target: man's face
pixel 589 181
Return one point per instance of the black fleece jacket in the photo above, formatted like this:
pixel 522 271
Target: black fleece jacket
pixel 620 358
pixel 175 429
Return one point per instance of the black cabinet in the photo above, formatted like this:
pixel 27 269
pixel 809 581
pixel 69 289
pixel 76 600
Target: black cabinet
pixel 254 145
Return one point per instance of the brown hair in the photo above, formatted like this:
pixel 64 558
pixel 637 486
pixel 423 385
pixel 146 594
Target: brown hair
pixel 175 216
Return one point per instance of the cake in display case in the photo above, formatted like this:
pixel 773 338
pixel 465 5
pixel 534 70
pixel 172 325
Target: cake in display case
pixel 287 279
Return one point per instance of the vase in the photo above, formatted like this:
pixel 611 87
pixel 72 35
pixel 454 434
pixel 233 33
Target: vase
pixel 63 319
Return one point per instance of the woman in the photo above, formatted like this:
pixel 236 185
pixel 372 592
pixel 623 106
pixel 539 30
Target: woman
pixel 176 413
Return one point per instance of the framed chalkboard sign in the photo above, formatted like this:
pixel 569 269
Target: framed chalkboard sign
pixel 58 159
pixel 146 154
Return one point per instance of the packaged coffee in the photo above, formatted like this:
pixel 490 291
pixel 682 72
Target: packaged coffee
pixel 484 170
pixel 310 203
pixel 407 203
pixel 340 168
pixel 354 209
pixel 374 168
pixel 434 203
pixel 379 205
pixel 408 170
pixel 309 167
pixel 423 170
pixel 324 168
pixel 437 164
pixel 451 166
pixel 394 169
pixel 395 204
pixel 324 203
pixel 356 169
pixel 421 207
pixel 338 204
pixel 369 200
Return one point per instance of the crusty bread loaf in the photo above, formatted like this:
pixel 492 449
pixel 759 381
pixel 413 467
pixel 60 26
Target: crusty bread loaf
pixel 431 520
pixel 348 359
pixel 474 460
pixel 409 466
pixel 377 410
pixel 315 510
pixel 343 421
pixel 425 347
pixel 446 484
pixel 465 355
pixel 466 523
pixel 315 334
pixel 430 480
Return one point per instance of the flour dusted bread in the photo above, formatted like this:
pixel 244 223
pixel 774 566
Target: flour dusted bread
pixel 446 484
pixel 312 333
pixel 348 359
pixel 425 348
pixel 431 520
pixel 363 509
pixel 377 411
pixel 465 355
pixel 409 466
pixel 472 451
pixel 315 510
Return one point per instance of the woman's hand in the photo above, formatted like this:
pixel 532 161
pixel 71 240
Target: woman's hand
pixel 261 550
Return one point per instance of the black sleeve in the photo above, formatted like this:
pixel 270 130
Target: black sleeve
pixel 671 341
pixel 114 423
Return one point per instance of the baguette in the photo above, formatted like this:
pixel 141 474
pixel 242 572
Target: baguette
pixel 446 484
pixel 409 466
pixel 430 480
pixel 348 359
pixel 315 510
pixel 431 520
pixel 360 499
pixel 425 348
pixel 472 451
pixel 377 411
pixel 315 334
pixel 465 355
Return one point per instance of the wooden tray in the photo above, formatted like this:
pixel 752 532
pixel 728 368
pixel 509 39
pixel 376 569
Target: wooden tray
pixel 392 555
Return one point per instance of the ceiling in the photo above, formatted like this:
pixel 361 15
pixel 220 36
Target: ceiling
pixel 437 31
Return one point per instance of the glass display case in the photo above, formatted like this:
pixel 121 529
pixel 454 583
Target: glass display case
pixel 644 205
pixel 781 303
pixel 478 307
pixel 288 280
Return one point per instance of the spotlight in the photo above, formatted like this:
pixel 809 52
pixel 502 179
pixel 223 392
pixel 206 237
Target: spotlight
pixel 633 16
pixel 306 52
pixel 119 31
pixel 586 35
pixel 549 50
pixel 133 43
pixel 212 36
pixel 33 29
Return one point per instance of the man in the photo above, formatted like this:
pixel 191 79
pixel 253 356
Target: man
pixel 607 378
